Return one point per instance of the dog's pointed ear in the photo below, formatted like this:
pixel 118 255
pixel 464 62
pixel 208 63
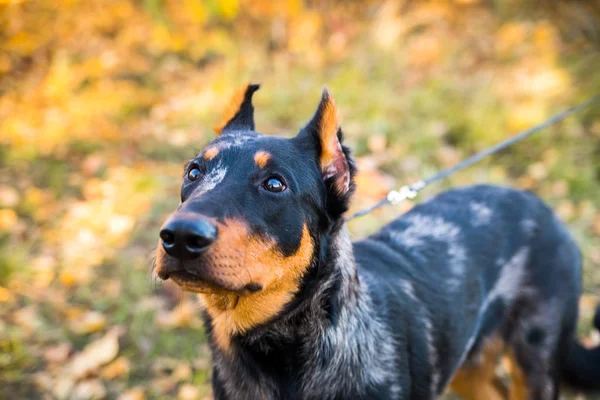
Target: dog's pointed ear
pixel 239 114
pixel 324 129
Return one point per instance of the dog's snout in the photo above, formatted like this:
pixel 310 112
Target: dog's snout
pixel 185 238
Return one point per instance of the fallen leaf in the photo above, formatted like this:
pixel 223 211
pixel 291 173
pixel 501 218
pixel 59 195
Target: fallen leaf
pixel 95 355
pixel 63 387
pixel 163 385
pixel 91 321
pixel 9 197
pixel 188 392
pixel 28 318
pixel 182 372
pixel 88 390
pixel 57 354
pixel 136 393
pixel 5 295
pixel 8 219
pixel 121 366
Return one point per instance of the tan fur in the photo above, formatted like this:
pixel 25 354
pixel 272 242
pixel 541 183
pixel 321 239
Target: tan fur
pixel 328 128
pixel 333 161
pixel 232 108
pixel 518 383
pixel 211 153
pixel 279 276
pixel 261 158
pixel 479 382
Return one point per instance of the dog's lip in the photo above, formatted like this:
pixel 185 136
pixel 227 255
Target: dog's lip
pixel 192 283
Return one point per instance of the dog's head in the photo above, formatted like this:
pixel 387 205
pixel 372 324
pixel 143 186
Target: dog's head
pixel 253 211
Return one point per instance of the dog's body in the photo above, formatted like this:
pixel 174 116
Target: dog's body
pixel 296 311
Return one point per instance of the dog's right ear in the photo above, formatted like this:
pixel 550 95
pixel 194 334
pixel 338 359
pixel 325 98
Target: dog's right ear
pixel 324 133
pixel 239 114
pixel 324 129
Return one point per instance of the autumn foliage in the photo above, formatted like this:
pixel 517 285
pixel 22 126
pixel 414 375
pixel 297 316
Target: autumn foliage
pixel 102 102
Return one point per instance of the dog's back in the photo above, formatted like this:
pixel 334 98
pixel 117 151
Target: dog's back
pixel 477 263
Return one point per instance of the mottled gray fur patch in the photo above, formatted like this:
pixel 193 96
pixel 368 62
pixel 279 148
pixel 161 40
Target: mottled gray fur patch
pixel 508 284
pixel 408 288
pixel 422 227
pixel 529 226
pixel 233 139
pixel 481 214
pixel 211 179
pixel 361 347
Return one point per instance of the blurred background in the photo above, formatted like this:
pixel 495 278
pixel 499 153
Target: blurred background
pixel 102 102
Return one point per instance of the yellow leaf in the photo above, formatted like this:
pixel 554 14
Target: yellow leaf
pixel 195 10
pixel 90 322
pixel 8 219
pixel 5 295
pixel 116 369
pixel 524 115
pixel 509 37
pixel 229 8
pixel 136 393
pixel 67 278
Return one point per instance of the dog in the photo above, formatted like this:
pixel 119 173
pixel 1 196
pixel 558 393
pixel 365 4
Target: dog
pixel 295 310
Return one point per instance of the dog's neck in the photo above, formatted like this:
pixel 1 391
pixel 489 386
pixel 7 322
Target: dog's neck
pixel 328 335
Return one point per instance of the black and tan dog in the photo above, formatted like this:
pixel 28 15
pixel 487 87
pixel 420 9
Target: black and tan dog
pixel 295 310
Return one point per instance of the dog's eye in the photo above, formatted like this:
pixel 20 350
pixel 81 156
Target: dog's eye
pixel 194 174
pixel 274 185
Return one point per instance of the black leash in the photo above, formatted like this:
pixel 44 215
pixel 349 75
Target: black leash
pixel 395 197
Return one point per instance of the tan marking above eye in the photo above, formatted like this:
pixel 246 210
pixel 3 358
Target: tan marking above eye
pixel 211 153
pixel 261 158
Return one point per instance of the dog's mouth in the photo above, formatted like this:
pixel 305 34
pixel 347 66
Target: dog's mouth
pixel 190 282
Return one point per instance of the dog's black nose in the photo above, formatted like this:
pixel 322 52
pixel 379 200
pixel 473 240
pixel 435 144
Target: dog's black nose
pixel 185 238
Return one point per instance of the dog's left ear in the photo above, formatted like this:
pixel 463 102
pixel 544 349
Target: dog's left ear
pixel 239 114
pixel 334 159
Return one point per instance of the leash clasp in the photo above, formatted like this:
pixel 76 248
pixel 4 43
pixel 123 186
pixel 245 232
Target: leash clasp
pixel 396 197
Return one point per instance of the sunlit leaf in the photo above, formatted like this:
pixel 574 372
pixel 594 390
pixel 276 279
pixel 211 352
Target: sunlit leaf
pixel 95 355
